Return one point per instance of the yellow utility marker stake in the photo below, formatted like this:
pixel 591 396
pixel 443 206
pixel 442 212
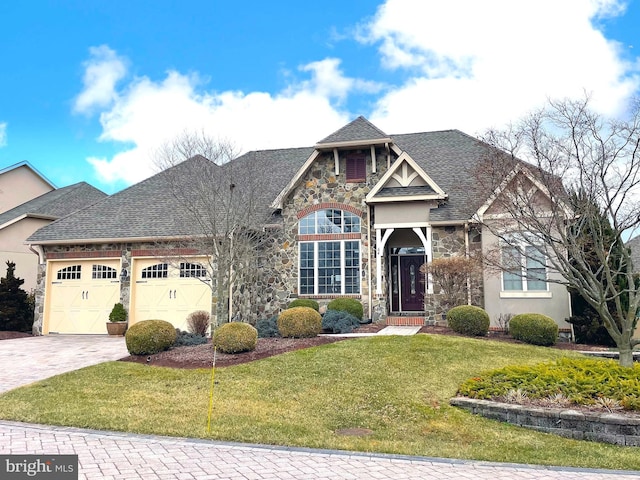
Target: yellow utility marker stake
pixel 213 374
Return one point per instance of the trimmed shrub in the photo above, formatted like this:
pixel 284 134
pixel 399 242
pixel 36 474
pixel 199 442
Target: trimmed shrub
pixel 336 321
pixel 198 322
pixel 299 322
pixel 149 337
pixel 534 328
pixel 468 320
pixel 186 339
pixel 304 302
pixel 350 305
pixel 268 327
pixel 235 337
pixel 118 313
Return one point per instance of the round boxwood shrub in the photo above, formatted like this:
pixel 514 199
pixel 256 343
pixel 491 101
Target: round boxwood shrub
pixel 336 321
pixel 350 305
pixel 534 328
pixel 235 337
pixel 468 320
pixel 304 302
pixel 150 336
pixel 299 322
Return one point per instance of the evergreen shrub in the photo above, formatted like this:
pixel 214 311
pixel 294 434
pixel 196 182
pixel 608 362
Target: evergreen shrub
pixel 350 305
pixel 534 328
pixel 268 327
pixel 304 302
pixel 468 320
pixel 336 321
pixel 149 337
pixel 299 322
pixel 235 337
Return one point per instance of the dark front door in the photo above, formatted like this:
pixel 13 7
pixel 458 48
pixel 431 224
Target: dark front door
pixel 411 283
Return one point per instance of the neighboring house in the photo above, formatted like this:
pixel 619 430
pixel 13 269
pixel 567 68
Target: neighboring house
pixel 18 223
pixel 20 183
pixel 355 216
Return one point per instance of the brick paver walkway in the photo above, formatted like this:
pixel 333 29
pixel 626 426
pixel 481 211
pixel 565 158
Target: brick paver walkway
pixel 105 455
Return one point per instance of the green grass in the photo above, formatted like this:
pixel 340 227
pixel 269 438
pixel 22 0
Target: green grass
pixel 399 387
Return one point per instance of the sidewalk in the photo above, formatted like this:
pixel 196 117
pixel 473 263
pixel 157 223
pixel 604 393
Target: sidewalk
pixel 110 456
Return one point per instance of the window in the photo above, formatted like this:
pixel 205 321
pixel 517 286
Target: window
pixel 328 268
pixel 159 270
pixel 192 270
pixel 356 168
pixel 524 268
pixel 329 221
pixel 102 272
pixel 72 272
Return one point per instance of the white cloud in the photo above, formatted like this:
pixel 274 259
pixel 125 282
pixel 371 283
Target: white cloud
pixel 102 72
pixel 477 64
pixel 465 64
pixel 3 134
pixel 147 113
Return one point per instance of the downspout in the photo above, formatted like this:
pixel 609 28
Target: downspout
pixel 467 252
pixel 37 249
pixel 369 264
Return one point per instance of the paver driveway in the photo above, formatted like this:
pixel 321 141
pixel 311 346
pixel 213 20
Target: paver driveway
pixel 36 358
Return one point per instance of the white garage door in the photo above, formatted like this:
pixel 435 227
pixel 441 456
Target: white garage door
pixel 80 295
pixel 169 290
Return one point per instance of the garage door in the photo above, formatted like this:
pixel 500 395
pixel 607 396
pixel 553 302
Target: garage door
pixel 169 290
pixel 81 295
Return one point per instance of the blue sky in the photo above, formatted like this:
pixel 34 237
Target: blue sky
pixel 89 89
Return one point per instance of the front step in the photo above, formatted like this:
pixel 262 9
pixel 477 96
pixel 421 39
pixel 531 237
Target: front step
pixel 405 321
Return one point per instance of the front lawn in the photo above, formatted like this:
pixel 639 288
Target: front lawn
pixel 398 387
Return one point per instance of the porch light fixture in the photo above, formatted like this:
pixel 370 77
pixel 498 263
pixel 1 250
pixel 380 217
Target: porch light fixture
pixel 124 275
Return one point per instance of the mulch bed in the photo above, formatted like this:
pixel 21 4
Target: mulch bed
pixel 201 356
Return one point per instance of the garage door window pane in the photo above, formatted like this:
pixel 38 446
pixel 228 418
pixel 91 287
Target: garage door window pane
pixel 101 272
pixel 192 270
pixel 159 270
pixel 72 272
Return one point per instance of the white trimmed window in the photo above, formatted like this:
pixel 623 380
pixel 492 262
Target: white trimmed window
pixel 525 268
pixel 329 267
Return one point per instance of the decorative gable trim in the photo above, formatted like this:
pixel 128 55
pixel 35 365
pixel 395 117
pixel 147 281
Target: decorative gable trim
pixel 400 172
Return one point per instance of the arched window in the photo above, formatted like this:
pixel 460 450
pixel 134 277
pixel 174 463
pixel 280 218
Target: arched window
pixel 159 270
pixel 331 220
pixel 101 272
pixel 192 270
pixel 72 272
pixel 329 267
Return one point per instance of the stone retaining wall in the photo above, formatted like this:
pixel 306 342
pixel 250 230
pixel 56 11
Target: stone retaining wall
pixel 601 427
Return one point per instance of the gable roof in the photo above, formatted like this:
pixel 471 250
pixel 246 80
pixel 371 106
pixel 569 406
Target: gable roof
pixel 148 210
pixel 55 204
pixel 30 167
pixel 359 131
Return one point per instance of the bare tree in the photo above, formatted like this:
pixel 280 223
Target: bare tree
pixel 569 207
pixel 451 277
pixel 216 194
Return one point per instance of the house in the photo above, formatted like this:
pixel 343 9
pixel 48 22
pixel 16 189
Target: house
pixel 20 183
pixel 355 215
pixel 19 222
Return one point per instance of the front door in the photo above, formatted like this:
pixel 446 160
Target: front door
pixel 407 283
pixel 411 284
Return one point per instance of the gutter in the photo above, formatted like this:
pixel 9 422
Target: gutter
pixel 38 250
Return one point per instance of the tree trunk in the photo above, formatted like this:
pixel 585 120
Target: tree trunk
pixel 626 357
